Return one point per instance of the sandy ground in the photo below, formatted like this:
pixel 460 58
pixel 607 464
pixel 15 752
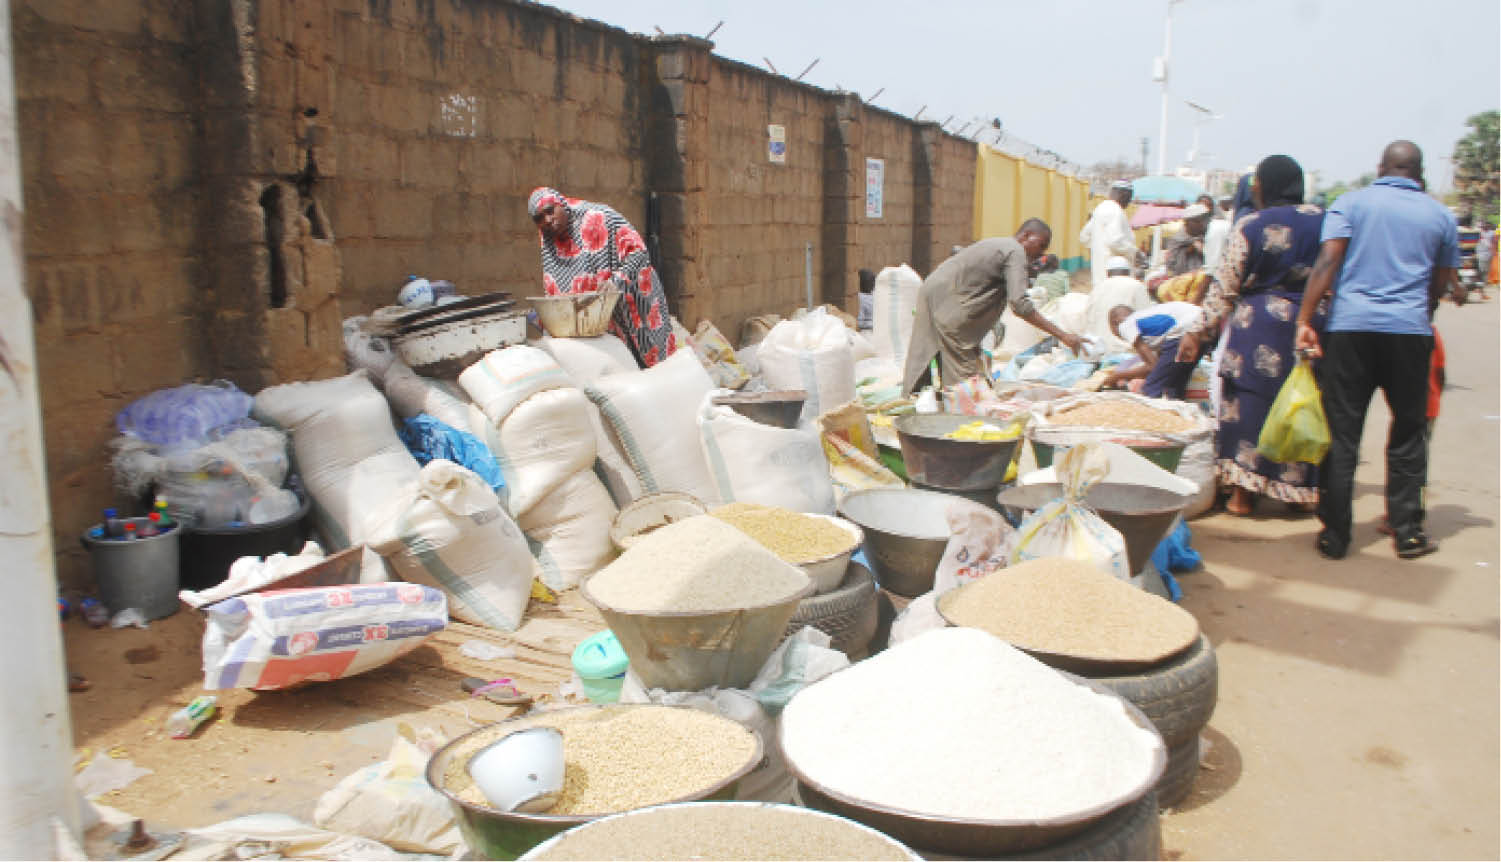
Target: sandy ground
pixel 1358 699
pixel 1358 707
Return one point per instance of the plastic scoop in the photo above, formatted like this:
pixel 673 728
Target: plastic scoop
pixel 522 771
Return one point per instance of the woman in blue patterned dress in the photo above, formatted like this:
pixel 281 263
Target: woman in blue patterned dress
pixel 1256 294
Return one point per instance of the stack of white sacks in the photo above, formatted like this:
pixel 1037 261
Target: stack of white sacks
pixel 577 429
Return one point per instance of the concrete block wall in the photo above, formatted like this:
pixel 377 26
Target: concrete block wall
pixel 105 98
pixel 212 185
pixel 442 117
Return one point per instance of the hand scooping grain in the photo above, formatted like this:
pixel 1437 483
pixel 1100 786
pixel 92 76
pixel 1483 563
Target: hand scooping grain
pixel 700 564
pixel 1065 606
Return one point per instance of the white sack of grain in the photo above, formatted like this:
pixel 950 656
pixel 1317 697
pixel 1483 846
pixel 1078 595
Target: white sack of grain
pixel 410 394
pixel 653 416
pixel 456 538
pixel 347 452
pixel 509 376
pixel 755 463
pixel 569 530
pixel 812 354
pixel 588 359
pixel 541 442
pixel 894 308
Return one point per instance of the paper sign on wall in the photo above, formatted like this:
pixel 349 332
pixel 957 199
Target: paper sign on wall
pixel 776 144
pixel 875 180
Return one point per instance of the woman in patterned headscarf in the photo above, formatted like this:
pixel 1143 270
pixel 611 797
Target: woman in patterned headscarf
pixel 1256 293
pixel 588 247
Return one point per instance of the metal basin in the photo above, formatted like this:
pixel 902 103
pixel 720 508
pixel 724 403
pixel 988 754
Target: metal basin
pixel 778 409
pixel 1142 514
pixel 645 514
pixel 954 465
pixel 576 315
pixel 692 650
pixel 980 839
pixel 1163 452
pixel 906 531
pixel 446 341
pixel 493 834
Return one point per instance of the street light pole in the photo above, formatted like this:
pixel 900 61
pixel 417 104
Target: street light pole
pixel 1160 73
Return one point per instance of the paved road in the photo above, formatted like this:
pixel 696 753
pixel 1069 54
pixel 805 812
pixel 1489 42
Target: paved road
pixel 1358 708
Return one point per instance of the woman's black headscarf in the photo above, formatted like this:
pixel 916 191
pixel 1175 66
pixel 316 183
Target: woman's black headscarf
pixel 1244 204
pixel 1280 180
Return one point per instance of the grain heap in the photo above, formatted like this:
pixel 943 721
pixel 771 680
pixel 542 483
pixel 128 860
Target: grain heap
pixel 1122 413
pixel 1065 606
pixel 724 830
pixel 793 536
pixel 980 730
pixel 622 757
pixel 699 564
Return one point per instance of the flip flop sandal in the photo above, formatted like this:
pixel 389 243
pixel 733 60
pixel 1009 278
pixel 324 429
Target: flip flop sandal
pixel 502 691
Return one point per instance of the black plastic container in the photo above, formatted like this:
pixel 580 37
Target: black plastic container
pixel 208 552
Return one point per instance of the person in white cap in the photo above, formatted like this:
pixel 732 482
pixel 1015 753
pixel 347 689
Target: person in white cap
pixel 1119 288
pixel 1185 254
pixel 1108 232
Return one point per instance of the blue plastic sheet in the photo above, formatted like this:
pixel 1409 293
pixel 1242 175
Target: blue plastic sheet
pixel 183 416
pixel 428 440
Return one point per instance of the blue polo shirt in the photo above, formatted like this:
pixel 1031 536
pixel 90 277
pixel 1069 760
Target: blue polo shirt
pixel 1397 234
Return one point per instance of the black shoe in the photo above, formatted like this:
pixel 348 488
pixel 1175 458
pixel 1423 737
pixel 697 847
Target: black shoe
pixel 1332 547
pixel 1415 545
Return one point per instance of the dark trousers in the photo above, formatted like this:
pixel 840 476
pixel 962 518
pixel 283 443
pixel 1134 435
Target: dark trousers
pixel 1355 364
pixel 1169 377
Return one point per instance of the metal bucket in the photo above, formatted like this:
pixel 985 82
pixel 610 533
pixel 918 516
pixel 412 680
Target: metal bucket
pixel 692 650
pixel 138 573
pixel 1165 453
pixel 954 465
pixel 906 531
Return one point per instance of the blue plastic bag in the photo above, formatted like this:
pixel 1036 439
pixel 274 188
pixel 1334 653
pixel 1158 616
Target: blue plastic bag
pixel 183 416
pixel 429 440
pixel 1173 553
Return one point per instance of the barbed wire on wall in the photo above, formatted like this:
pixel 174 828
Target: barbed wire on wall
pixel 1021 148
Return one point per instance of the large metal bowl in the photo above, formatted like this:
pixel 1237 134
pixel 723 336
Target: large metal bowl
pixel 692 650
pixel 974 838
pixel 576 315
pixel 779 409
pixel 1144 515
pixel 648 513
pixel 542 851
pixel 497 834
pixel 954 465
pixel 906 531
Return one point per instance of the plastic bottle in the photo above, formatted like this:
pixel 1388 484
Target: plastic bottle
pixel 416 293
pixel 63 608
pixel 130 532
pixel 153 525
pixel 94 612
pixel 160 508
pixel 182 723
pixel 113 526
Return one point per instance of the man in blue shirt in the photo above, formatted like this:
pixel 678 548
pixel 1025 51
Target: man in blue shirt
pixel 1394 250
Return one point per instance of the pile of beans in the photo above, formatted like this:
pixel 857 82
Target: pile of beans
pixel 701 564
pixel 724 830
pixel 793 536
pixel 622 757
pixel 1069 607
pixel 1122 413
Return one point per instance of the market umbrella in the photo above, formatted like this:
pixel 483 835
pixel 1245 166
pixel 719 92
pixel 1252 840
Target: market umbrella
pixel 1149 215
pixel 1165 190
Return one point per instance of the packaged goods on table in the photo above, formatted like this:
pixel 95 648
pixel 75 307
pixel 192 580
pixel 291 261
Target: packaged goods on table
pixel 794 537
pixel 968 727
pixel 722 830
pixel 617 758
pixel 699 564
pixel 1062 606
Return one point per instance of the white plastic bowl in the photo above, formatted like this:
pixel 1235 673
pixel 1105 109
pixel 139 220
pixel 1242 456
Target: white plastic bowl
pixel 522 771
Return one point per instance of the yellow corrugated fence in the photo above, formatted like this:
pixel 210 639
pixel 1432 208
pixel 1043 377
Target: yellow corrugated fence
pixel 1010 190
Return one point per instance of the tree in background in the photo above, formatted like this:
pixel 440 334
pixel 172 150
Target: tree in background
pixel 1476 182
pixel 1332 193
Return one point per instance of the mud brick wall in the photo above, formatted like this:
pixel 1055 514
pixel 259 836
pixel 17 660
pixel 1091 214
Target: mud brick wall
pixel 212 185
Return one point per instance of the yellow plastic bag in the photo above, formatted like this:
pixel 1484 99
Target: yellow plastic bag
pixel 1295 427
